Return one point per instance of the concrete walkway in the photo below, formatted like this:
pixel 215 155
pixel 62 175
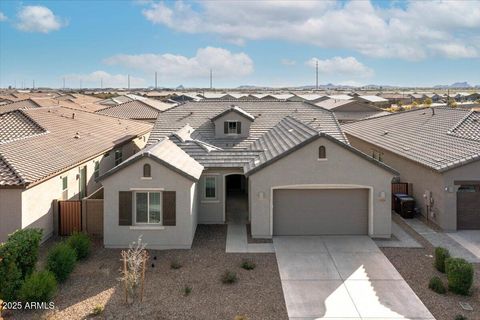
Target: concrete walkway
pixel 342 277
pixel 237 241
pixel 440 239
pixel 469 239
pixel 400 239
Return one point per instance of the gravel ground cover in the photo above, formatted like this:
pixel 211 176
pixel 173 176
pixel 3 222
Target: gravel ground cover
pixel 256 295
pixel 416 267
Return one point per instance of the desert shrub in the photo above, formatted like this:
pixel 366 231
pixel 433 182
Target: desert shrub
pixel 459 275
pixel 38 287
pixel 97 310
pixel 248 265
pixel 436 285
pixel 240 318
pixel 10 280
pixel 229 277
pixel 187 290
pixel 175 265
pixel 61 261
pixel 441 254
pixel 460 317
pixel 81 243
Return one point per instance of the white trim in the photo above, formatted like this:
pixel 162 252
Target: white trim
pixel 147 189
pixel 134 202
pixel 145 178
pixel 149 227
pixel 328 186
pixel 322 159
pixel 204 193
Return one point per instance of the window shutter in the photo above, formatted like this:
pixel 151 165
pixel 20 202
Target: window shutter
pixel 239 127
pixel 125 208
pixel 169 206
pixel 225 127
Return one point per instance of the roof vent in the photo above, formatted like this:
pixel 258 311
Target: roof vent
pixel 433 111
pixel 73 115
pixel 385 133
pixel 76 136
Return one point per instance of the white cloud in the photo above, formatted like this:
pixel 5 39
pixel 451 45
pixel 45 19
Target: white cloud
pixel 38 19
pixel 224 64
pixel 288 62
pixel 409 32
pixel 94 80
pixel 348 66
pixel 3 17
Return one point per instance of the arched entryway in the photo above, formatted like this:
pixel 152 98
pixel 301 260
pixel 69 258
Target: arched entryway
pixel 236 198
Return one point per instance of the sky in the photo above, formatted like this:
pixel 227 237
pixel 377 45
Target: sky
pixel 272 43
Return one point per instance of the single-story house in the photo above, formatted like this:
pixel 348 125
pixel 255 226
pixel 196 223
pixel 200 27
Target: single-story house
pixel 437 151
pixel 351 110
pixel 288 164
pixel 56 153
pixel 374 100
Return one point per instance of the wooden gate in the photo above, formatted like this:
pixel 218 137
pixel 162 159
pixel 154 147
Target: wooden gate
pixel 69 216
pixel 400 187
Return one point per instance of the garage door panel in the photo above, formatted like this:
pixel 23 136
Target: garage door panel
pixel 320 211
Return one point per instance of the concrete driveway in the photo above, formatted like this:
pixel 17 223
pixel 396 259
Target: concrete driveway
pixel 342 277
pixel 469 239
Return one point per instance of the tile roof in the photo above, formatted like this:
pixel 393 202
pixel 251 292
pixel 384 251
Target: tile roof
pixel 440 138
pixel 17 124
pixel 373 98
pixel 236 109
pixel 21 104
pixel 167 153
pixel 71 137
pixel 235 152
pixel 135 109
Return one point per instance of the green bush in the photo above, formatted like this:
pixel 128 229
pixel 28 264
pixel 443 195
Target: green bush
pixel 459 275
pixel 10 281
pixel 175 265
pixel 97 310
pixel 38 287
pixel 441 254
pixel 81 243
pixel 248 265
pixel 187 290
pixel 460 317
pixel 229 277
pixel 436 285
pixel 19 256
pixel 61 261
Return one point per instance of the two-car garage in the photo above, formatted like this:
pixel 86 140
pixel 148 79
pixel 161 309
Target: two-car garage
pixel 320 211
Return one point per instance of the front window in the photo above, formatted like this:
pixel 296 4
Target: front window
pixel 210 187
pixel 233 127
pixel 377 155
pixel 148 207
pixel 118 157
pixel 96 171
pixel 65 187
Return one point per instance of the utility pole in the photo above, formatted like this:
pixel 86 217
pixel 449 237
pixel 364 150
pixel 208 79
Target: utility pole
pixel 155 80
pixel 101 83
pixel 63 83
pixel 128 82
pixel 33 84
pixel 211 76
pixel 316 74
pixel 80 84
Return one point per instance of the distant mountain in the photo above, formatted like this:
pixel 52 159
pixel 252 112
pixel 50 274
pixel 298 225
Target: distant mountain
pixel 456 85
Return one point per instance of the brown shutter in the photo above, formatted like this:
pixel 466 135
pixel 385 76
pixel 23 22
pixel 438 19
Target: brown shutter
pixel 125 208
pixel 225 127
pixel 239 127
pixel 169 208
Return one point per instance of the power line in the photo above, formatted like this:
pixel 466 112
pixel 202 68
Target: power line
pixel 155 79
pixel 211 80
pixel 316 74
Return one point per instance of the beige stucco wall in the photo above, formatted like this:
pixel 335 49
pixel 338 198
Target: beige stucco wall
pixel 231 116
pixel 32 207
pixel 10 212
pixel 130 178
pixel 422 179
pixel 211 211
pixel 302 167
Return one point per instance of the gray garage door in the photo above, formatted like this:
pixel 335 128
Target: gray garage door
pixel 320 211
pixel 468 207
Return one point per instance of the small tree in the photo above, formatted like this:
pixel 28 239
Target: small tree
pixel 427 102
pixel 133 272
pixel 451 103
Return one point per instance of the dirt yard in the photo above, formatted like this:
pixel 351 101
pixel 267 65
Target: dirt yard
pixel 256 295
pixel 416 266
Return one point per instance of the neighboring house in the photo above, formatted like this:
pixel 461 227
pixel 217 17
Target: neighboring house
pixel 351 110
pixel 55 153
pixel 374 100
pixel 136 110
pixel 309 97
pixel 21 104
pixel 397 98
pixel 437 151
pixel 287 163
